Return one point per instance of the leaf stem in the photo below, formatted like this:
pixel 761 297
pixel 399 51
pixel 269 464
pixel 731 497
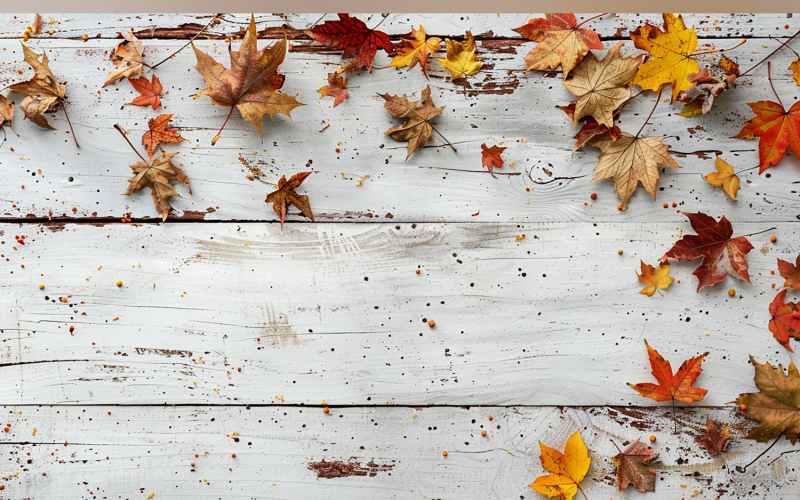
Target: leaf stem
pixel 382 20
pixel 216 137
pixel 124 136
pixel 742 470
pixel 782 45
pixel 760 232
pixel 590 19
pixel 187 44
pixel 769 77
pixel 745 170
pixel 719 50
pixel 64 107
pixel 658 99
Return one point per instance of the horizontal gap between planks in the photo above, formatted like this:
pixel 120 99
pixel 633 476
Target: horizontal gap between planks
pixel 100 222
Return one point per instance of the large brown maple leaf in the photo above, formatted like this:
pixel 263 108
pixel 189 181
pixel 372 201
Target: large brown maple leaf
pixel 43 92
pixel 721 254
pixel 417 129
pixel 561 42
pixel 776 406
pixel 785 322
pixel 252 83
pixel 776 129
pixel 351 35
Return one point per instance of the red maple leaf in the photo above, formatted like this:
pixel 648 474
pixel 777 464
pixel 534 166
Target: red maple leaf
pixel 151 91
pixel 785 322
pixel 776 129
pixel 721 254
pixel 590 129
pixel 490 157
pixel 351 35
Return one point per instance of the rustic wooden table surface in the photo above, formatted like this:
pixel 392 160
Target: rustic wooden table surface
pixel 229 333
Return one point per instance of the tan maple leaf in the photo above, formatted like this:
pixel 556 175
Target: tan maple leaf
pixel 127 58
pixel 417 129
pixel 252 83
pixel 725 177
pixel 630 160
pixel 776 406
pixel 42 91
pixel 602 86
pixel 157 176
pixel 157 132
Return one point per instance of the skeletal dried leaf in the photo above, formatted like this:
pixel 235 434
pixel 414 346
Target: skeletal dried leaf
pixel 285 195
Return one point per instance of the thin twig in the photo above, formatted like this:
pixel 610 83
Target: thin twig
pixel 64 107
pixel 742 470
pixel 554 179
pixel 719 50
pixel 782 45
pixel 769 77
pixel 745 170
pixel 658 99
pixel 590 19
pixel 125 136
pixel 187 44
pixel 760 232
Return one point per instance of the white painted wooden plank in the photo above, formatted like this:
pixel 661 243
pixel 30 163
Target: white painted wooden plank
pixel 132 452
pixel 498 25
pixel 336 312
pixel 435 184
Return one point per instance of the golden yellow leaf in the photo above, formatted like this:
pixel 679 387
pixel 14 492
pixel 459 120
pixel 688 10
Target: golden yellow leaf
pixel 602 86
pixel 654 278
pixel 724 177
pixel 568 468
pixel 461 60
pixel 630 160
pixel 795 68
pixel 671 50
pixel 416 49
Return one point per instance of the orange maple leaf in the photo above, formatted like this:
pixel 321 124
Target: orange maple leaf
pixel 677 387
pixel 490 157
pixel 151 91
pixel 785 322
pixel 776 129
pixel 158 132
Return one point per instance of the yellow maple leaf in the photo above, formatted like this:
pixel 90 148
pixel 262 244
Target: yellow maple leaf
pixel 654 278
pixel 671 50
pixel 568 468
pixel 416 49
pixel 461 60
pixel 724 177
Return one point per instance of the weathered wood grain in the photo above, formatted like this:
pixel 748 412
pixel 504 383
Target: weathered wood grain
pixel 508 107
pixel 482 25
pixel 337 312
pixel 365 453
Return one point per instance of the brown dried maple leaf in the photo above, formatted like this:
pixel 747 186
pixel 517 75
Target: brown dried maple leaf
pixel 790 272
pixel 633 467
pixel 721 254
pixel 490 157
pixel 285 195
pixel 157 176
pixel 417 129
pixel 42 91
pixel 700 96
pixel 127 58
pixel 6 115
pixel 252 83
pixel 151 91
pixel 776 406
pixel 336 88
pixel 716 438
pixel 158 132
